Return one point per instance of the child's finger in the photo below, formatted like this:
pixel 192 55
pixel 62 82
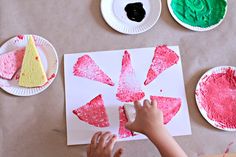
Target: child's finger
pixel 146 104
pixel 88 149
pixel 95 139
pixel 103 139
pixel 154 103
pixel 118 153
pixel 111 143
pixel 137 105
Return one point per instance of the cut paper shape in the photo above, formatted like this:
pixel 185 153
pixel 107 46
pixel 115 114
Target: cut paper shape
pixel 129 89
pixel 123 132
pixel 163 59
pixel 93 113
pixel 10 63
pixel 169 106
pixel 32 71
pixel 87 68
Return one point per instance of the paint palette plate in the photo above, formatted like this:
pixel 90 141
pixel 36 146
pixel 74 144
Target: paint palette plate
pixel 194 28
pixel 198 96
pixel 49 59
pixel 114 13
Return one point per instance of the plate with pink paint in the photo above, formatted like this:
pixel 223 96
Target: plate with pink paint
pixel 48 57
pixel 216 97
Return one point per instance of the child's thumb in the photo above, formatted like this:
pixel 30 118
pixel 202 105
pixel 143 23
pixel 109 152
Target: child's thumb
pixel 129 126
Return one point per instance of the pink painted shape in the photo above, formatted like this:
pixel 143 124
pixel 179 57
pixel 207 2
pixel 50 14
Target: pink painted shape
pixel 129 89
pixel 87 68
pixel 169 106
pixel 123 132
pixel 162 60
pixel 217 96
pixel 11 62
pixel 93 113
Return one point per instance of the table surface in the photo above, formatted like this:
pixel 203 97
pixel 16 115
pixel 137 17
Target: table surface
pixel 36 126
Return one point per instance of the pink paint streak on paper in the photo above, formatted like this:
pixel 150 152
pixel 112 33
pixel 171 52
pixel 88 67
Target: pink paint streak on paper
pixel 169 106
pixel 87 68
pixel 162 60
pixel 10 63
pixel 217 96
pixel 123 132
pixel 129 89
pixel 93 113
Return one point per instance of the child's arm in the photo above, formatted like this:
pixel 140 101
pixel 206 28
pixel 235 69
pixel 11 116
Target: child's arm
pixel 149 121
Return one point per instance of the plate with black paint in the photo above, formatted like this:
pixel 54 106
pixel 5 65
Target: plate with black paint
pixel 131 16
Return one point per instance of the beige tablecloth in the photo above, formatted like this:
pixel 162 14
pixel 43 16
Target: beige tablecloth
pixel 36 127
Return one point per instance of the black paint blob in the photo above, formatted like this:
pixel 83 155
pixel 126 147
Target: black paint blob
pixel 135 11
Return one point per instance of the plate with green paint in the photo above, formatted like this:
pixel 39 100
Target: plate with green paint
pixel 198 15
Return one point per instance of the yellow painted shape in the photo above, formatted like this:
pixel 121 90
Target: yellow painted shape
pixel 32 71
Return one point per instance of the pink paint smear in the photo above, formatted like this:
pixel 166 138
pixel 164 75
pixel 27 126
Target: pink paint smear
pixel 162 60
pixel 93 113
pixel 217 95
pixel 87 68
pixel 129 89
pixel 10 63
pixel 227 149
pixel 52 76
pixel 169 106
pixel 123 132
pixel 20 37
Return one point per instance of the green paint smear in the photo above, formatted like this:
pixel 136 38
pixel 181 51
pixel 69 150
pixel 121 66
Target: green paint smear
pixel 200 13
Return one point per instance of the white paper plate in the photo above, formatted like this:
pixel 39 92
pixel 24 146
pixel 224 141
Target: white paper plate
pixel 205 76
pixel 194 28
pixel 49 59
pixel 114 14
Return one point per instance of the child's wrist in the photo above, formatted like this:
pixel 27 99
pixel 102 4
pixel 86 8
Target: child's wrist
pixel 152 131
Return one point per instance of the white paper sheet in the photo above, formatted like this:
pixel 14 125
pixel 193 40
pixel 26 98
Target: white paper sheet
pixel 80 91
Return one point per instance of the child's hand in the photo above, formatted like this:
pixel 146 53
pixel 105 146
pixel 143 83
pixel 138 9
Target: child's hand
pixel 148 119
pixel 102 145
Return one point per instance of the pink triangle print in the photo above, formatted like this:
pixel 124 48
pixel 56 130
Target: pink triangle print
pixel 162 60
pixel 169 106
pixel 87 68
pixel 93 113
pixel 129 89
pixel 123 132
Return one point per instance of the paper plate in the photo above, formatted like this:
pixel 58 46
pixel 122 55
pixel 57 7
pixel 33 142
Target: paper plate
pixel 49 59
pixel 216 70
pixel 194 28
pixel 114 14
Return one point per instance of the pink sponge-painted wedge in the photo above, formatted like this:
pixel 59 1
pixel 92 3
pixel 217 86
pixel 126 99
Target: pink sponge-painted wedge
pixel 168 105
pixel 11 62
